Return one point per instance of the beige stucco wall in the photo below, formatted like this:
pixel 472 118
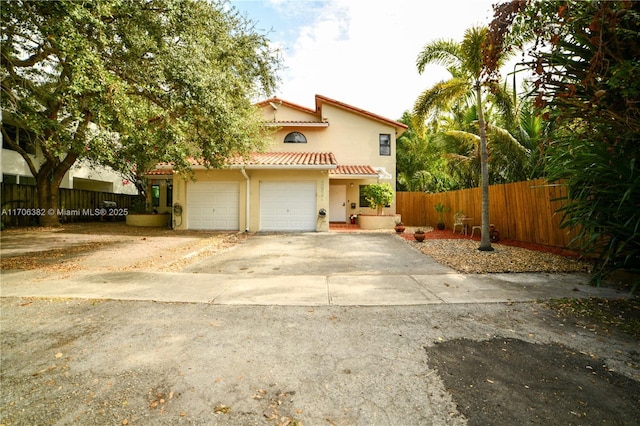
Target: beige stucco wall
pixel 286 113
pixel 352 138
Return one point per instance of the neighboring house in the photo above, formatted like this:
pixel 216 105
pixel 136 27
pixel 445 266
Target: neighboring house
pixel 312 174
pixel 13 168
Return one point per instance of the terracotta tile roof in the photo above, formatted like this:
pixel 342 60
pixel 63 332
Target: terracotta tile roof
pixel 288 159
pixel 319 160
pixel 354 170
pixel 160 172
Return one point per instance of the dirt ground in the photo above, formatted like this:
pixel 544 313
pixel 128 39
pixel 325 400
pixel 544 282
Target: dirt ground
pixel 69 361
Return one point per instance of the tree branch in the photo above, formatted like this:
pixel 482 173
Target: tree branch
pixel 25 155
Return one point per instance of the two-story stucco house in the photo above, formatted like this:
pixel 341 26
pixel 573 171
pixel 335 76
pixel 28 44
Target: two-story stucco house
pixel 312 174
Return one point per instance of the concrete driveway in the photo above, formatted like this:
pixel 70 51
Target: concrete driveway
pixel 321 254
pixel 304 269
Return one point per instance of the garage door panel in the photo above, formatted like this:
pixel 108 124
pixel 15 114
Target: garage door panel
pixel 213 205
pixel 288 206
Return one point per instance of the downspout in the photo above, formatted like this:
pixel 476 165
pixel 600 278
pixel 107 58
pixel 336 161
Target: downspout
pixel 248 195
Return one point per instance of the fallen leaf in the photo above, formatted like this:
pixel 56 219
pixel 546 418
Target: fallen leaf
pixel 59 355
pixel 224 409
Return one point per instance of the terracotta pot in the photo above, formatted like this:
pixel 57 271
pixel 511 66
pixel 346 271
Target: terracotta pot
pixel 419 237
pixel 440 226
pixel 399 229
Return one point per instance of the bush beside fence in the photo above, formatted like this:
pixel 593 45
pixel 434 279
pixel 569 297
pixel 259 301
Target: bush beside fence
pixel 523 211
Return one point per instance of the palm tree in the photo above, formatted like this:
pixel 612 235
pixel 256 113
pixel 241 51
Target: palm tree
pixel 464 62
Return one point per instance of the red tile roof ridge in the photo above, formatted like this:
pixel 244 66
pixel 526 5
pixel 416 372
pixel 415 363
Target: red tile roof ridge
pixel 279 101
pixel 359 111
pixel 321 98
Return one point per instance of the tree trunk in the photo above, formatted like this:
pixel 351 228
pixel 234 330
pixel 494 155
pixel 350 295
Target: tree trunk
pixel 485 240
pixel 48 182
pixel 48 201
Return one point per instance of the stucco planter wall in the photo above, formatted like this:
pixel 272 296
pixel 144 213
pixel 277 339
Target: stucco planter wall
pixel 144 219
pixel 366 221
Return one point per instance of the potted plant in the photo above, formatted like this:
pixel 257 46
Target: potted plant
pixel 399 227
pixel 419 235
pixel 353 217
pixel 440 209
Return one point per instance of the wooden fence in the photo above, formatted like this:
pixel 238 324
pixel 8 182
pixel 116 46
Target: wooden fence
pixel 20 204
pixel 523 211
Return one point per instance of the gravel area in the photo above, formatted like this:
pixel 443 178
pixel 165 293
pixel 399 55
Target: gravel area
pixel 464 256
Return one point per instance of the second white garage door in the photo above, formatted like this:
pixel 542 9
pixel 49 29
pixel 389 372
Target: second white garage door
pixel 288 206
pixel 213 205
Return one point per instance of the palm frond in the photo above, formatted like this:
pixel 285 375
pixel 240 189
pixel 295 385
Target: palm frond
pixel 440 96
pixel 507 157
pixel 441 52
pixel 471 49
pixel 466 141
pixel 509 144
pixel 502 99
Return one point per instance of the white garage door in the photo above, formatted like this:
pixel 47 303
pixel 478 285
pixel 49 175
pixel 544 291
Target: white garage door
pixel 288 206
pixel 213 205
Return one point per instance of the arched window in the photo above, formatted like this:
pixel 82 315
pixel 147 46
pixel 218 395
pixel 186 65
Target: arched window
pixel 295 137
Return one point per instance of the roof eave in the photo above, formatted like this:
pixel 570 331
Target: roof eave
pixel 355 176
pixel 296 124
pixel 284 166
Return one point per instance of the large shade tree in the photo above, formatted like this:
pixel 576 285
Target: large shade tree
pixel 128 84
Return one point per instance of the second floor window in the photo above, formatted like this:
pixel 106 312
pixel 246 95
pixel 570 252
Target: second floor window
pixel 295 137
pixel 385 144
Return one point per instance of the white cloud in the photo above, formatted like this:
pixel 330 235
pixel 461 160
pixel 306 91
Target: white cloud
pixel 364 52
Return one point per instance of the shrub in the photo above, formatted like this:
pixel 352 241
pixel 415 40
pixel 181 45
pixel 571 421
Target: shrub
pixel 379 195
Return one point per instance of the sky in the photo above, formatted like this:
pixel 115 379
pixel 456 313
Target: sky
pixel 360 52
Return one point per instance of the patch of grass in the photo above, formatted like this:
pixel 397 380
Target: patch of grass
pixel 621 314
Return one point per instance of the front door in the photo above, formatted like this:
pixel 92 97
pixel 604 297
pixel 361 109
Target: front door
pixel 337 203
